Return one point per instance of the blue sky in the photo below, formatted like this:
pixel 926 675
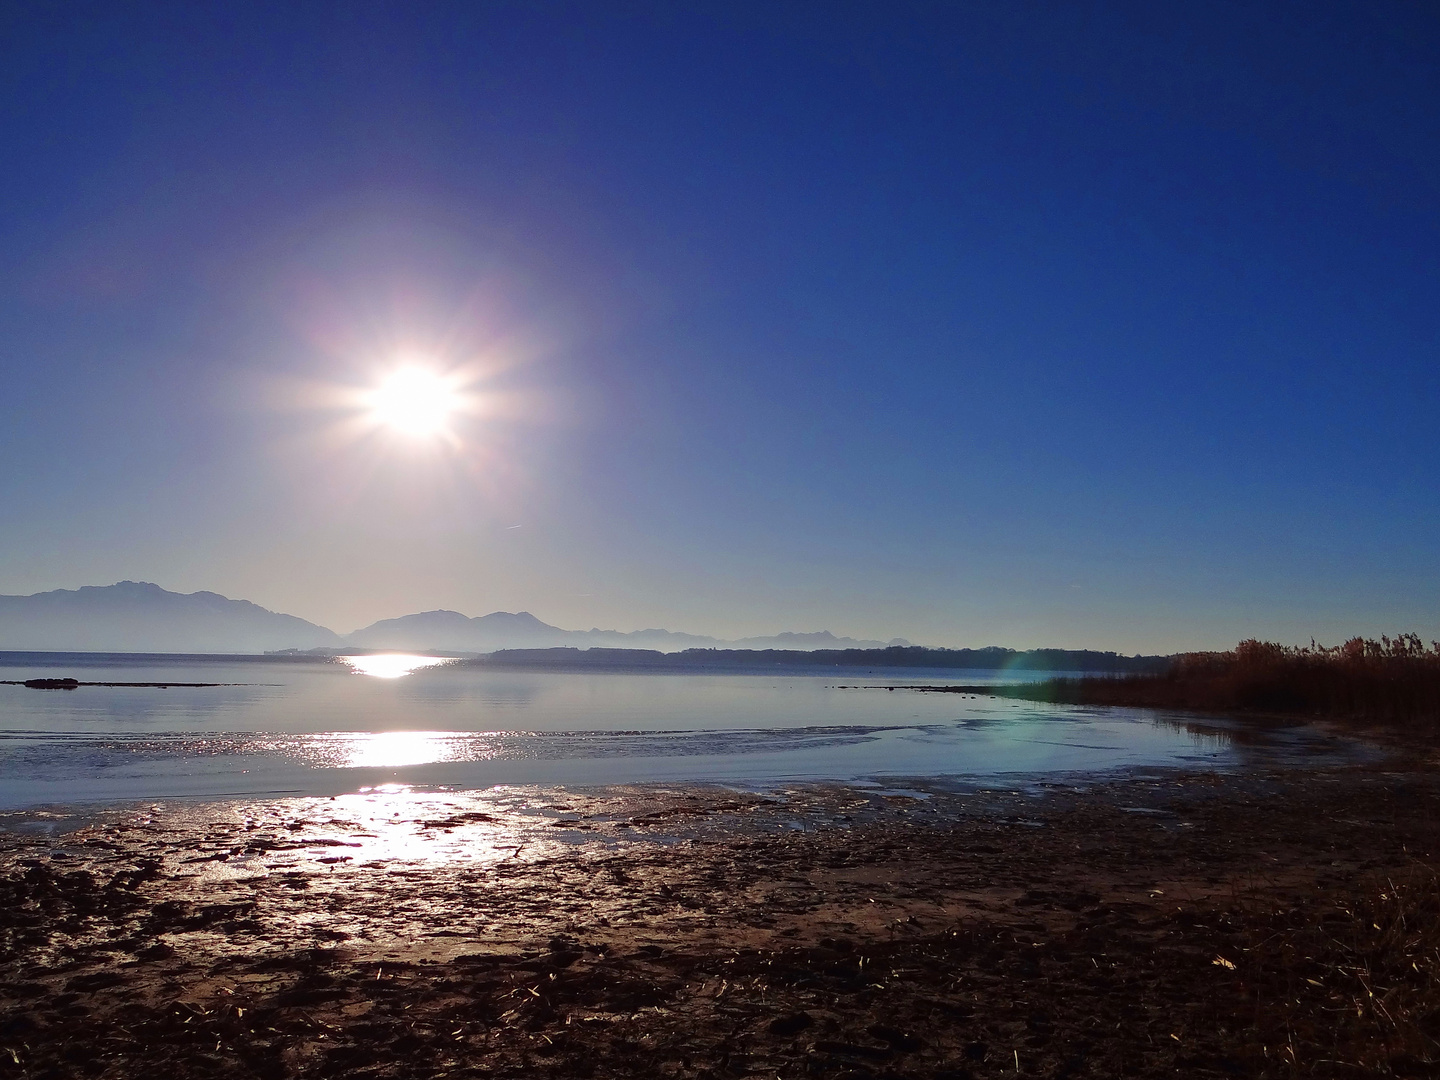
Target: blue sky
pixel 1082 325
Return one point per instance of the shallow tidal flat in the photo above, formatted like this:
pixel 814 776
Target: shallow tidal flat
pixel 1248 924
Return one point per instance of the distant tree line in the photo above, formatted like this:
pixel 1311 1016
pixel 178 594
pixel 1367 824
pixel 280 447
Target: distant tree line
pixel 992 658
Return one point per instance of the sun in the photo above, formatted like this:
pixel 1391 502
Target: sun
pixel 415 401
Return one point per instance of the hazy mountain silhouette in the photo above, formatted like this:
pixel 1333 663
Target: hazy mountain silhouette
pixel 450 631
pixel 136 616
pixel 820 639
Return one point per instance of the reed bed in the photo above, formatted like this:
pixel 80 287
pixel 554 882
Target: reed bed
pixel 1390 682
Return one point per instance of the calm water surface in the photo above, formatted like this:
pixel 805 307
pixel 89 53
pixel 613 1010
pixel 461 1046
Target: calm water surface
pixel 311 728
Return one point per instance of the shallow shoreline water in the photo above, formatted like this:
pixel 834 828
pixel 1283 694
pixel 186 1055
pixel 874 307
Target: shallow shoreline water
pixel 1140 919
pixel 1136 926
pixel 314 729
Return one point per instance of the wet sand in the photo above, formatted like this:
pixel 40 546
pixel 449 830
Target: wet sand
pixel 1268 923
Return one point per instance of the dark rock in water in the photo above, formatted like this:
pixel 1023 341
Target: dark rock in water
pixel 158 951
pixel 100 980
pixel 790 1024
pixel 854 1050
pixel 898 1040
pixel 52 684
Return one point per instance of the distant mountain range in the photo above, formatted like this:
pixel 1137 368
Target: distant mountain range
pixel 450 631
pixel 136 616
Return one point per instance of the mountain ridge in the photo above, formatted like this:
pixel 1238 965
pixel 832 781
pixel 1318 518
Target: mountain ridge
pixel 445 630
pixel 142 617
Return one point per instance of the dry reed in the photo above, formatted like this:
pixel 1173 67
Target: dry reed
pixel 1347 991
pixel 1393 682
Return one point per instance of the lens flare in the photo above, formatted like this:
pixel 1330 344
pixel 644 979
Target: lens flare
pixel 415 401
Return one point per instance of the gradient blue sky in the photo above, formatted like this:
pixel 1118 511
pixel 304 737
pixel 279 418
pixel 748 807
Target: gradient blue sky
pixel 1104 325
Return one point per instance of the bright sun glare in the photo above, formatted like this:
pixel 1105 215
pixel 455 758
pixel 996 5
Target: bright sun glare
pixel 415 401
pixel 391 665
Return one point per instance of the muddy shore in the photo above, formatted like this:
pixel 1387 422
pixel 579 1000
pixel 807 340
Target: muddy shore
pixel 1266 923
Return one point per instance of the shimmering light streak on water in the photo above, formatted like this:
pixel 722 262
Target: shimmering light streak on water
pixel 388 824
pixel 391 665
pixel 395 749
pixel 312 727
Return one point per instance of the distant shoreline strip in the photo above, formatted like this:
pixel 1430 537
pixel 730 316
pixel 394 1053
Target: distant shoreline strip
pixel 74 684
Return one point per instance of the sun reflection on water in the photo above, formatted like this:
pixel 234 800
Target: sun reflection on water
pixel 391 665
pixel 392 749
pixel 397 749
pixel 376 827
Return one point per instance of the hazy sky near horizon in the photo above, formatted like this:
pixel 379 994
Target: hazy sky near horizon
pixel 1107 325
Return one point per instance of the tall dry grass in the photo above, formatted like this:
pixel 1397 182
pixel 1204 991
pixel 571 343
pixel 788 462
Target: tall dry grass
pixel 1349 986
pixel 1393 682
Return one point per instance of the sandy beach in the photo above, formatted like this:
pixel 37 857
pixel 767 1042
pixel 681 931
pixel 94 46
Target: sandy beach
pixel 1195 924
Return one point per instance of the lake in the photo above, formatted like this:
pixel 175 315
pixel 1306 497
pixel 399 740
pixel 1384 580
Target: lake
pixel 305 727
